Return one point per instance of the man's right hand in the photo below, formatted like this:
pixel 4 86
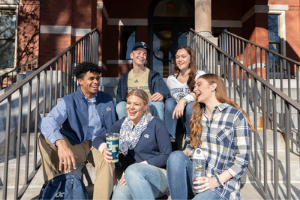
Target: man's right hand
pixel 65 156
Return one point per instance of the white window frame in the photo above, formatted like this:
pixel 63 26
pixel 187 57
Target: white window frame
pixel 282 28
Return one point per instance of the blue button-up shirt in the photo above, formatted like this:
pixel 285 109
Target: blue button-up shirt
pixel 58 115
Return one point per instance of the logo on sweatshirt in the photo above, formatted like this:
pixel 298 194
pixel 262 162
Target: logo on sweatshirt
pixel 108 108
pixel 146 136
pixel 60 194
pixel 136 81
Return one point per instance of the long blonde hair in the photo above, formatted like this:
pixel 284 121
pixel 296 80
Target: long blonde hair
pixel 221 96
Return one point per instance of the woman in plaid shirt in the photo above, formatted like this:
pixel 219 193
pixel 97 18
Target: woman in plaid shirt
pixel 222 130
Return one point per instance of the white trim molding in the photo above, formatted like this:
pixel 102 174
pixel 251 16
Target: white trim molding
pixel 101 64
pixel 119 62
pixel 127 22
pixel 64 30
pixel 116 62
pixel 273 7
pixel 10 2
pixel 100 6
pixel 282 28
pixel 121 21
pixel 226 23
pixel 263 9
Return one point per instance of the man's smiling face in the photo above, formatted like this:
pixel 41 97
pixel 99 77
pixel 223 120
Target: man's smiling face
pixel 89 84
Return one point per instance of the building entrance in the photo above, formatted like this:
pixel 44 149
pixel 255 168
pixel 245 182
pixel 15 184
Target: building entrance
pixel 169 22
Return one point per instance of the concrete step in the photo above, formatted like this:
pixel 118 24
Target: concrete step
pixel 269 140
pixel 294 165
pixel 251 191
pixel 12 170
pixel 32 139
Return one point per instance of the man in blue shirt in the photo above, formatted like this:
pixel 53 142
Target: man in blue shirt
pixel 70 127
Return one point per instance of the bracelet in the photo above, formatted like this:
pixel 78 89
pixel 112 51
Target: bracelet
pixel 216 181
pixel 219 181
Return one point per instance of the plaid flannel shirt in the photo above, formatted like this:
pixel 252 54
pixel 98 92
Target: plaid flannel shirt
pixel 226 144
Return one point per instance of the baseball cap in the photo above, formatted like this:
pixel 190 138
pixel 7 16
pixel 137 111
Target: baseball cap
pixel 142 45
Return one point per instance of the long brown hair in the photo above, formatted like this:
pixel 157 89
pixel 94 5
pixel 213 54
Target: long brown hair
pixel 221 96
pixel 192 67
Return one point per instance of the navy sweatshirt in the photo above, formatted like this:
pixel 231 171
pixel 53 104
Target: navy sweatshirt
pixel 154 145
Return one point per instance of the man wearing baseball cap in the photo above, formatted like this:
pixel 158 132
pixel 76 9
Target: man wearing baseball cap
pixel 141 77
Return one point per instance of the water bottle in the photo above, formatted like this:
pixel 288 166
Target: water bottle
pixel 199 164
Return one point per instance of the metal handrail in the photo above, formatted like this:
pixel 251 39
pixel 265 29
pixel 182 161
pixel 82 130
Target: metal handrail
pixel 252 54
pixel 51 81
pixel 253 93
pixel 16 70
pixel 264 48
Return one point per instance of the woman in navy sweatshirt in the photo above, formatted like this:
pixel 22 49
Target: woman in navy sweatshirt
pixel 144 142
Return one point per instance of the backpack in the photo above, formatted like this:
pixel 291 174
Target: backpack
pixel 65 186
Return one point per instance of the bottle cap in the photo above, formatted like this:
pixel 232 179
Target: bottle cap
pixel 198 154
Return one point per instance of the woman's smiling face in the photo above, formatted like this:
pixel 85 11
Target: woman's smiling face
pixel 183 59
pixel 136 108
pixel 203 91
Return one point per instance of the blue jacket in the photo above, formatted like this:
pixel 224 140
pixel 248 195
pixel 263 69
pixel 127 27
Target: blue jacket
pixel 76 125
pixel 154 145
pixel 155 82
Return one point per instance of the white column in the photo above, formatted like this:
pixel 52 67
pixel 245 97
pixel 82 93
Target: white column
pixel 203 19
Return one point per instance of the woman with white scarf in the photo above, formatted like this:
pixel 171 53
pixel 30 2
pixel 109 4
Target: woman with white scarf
pixel 145 143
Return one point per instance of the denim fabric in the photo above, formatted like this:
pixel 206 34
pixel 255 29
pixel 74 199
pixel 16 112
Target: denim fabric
pixel 143 181
pixel 180 178
pixel 157 108
pixel 171 123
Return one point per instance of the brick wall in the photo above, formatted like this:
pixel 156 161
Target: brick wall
pixel 28 31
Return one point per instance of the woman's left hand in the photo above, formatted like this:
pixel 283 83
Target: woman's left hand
pixel 122 180
pixel 157 97
pixel 178 111
pixel 205 183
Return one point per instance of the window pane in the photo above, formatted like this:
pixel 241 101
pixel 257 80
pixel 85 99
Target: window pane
pixel 127 41
pixel 182 31
pixel 7 35
pixel 7 50
pixel 162 45
pixel 274 47
pixel 7 24
pixel 273 28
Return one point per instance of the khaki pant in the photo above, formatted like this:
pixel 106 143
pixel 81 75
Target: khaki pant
pixel 85 152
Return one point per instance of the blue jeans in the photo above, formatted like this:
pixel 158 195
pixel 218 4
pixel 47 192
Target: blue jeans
pixel 180 178
pixel 143 181
pixel 171 123
pixel 157 108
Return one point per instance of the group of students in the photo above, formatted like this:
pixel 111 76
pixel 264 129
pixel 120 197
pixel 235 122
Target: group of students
pixel 148 110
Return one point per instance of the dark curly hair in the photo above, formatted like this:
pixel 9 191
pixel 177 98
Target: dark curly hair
pixel 82 68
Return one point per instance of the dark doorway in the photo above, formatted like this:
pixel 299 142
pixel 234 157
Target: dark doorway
pixel 169 22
